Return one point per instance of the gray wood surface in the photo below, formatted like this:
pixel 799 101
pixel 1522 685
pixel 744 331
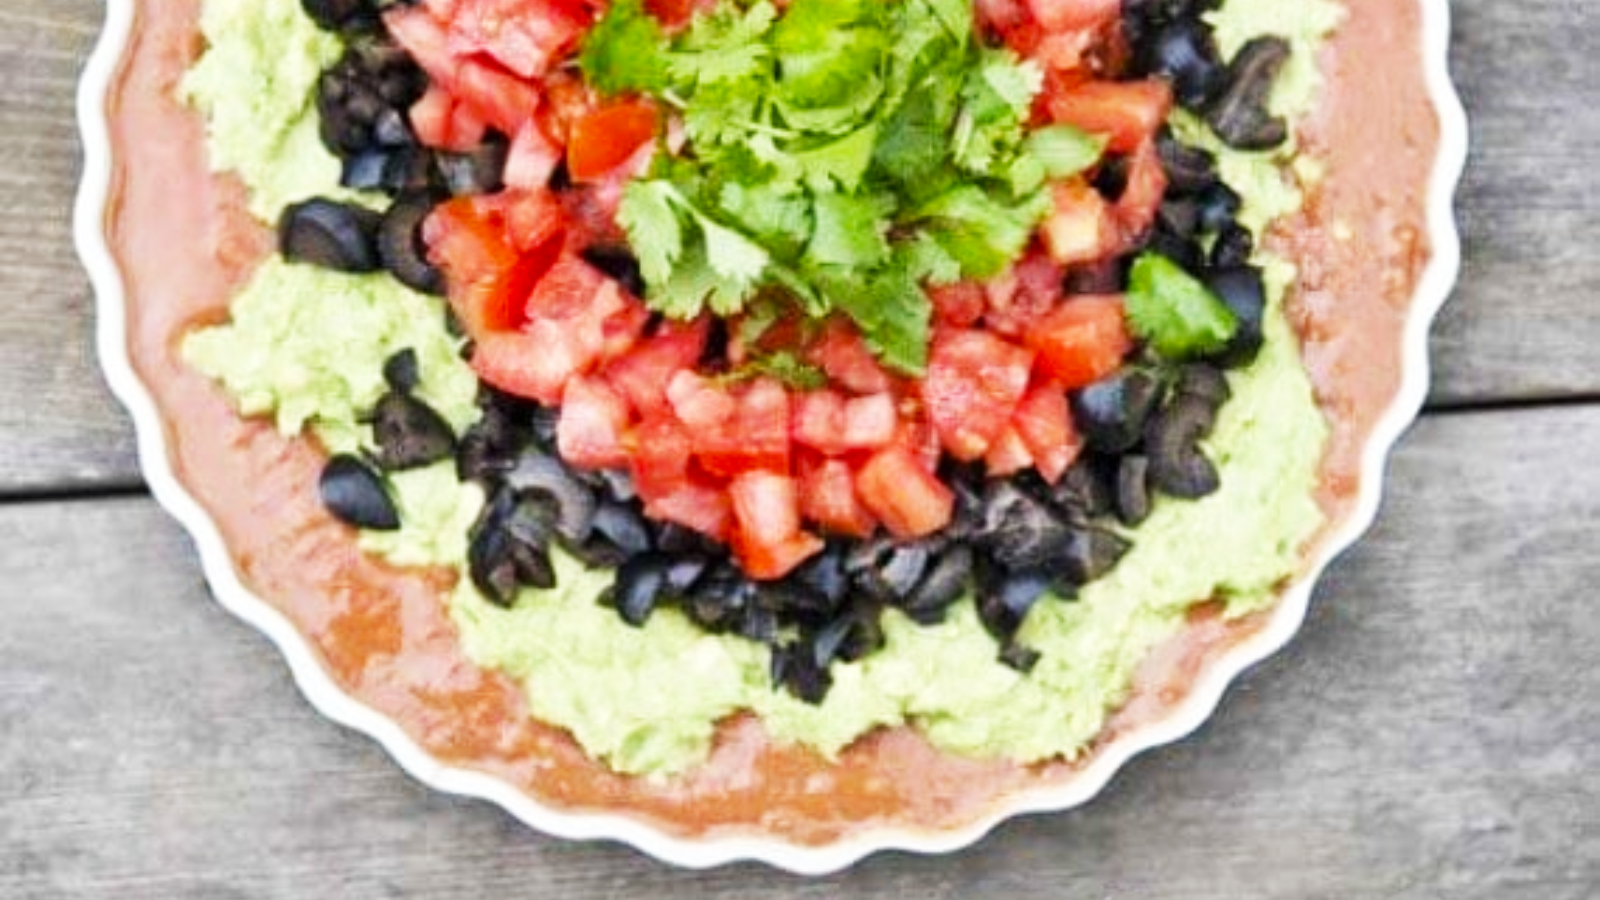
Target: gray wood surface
pixel 1435 731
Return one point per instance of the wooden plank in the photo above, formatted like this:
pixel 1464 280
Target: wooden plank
pixel 1434 732
pixel 58 424
pixel 1523 323
pixel 1522 326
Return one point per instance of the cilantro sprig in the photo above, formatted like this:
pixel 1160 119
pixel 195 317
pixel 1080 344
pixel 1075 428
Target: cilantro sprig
pixel 840 156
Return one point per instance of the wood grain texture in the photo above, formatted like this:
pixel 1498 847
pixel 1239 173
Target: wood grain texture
pixel 1522 326
pixel 1523 323
pixel 1435 732
pixel 58 425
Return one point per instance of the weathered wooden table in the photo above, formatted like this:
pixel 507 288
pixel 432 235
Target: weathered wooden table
pixel 1435 731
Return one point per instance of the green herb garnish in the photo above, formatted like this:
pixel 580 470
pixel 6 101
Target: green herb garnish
pixel 840 156
pixel 1171 310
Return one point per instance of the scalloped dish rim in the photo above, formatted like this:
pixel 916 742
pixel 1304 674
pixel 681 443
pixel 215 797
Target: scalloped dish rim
pixel 707 851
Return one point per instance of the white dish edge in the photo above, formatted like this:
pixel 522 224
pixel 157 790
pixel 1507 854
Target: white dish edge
pixel 319 688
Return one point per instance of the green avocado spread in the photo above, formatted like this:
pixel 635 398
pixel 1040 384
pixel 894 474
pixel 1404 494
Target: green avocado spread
pixel 306 346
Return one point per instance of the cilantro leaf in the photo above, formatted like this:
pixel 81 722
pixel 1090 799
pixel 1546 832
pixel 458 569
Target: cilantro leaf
pixel 652 224
pixel 1063 150
pixel 1174 312
pixel 850 231
pixel 624 51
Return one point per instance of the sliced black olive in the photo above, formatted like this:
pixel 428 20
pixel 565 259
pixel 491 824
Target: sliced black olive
pixel 1105 277
pixel 402 372
pixel 492 566
pixel 1189 169
pixel 639 587
pixel 1177 465
pixel 528 518
pixel 946 581
pixel 1085 490
pixel 886 570
pixel 366 171
pixel 617 484
pixel 1007 598
pixel 683 573
pixel 1180 216
pixel 410 433
pixel 619 263
pixel 825 575
pixel 1245 295
pixel 391 130
pixel 1091 553
pixel 1233 247
pixel 1111 412
pixel 795 669
pixel 1204 381
pixel 354 494
pixel 1239 114
pixel 624 527
pixel 576 504
pixel 719 597
pixel 670 537
pixel 758 623
pixel 1019 657
pixel 1021 531
pixel 1185 251
pixel 479 171
pixel 1133 489
pixel 1186 54
pixel 533 566
pixel 400 244
pixel 849 638
pixel 330 235
pixel 336 15
pixel 412 170
pixel 1218 204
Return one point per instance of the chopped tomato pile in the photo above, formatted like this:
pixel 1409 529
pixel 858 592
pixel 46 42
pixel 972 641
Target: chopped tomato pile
pixel 768 468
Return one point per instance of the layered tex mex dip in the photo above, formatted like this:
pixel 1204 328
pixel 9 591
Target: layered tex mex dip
pixel 784 418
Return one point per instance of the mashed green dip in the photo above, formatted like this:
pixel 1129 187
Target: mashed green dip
pixel 307 346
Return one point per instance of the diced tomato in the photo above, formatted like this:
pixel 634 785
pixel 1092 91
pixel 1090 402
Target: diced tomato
pixel 870 422
pixel 594 418
pixel 608 137
pixel 642 375
pixel 960 304
pixel 496 96
pixel 534 219
pixel 904 496
pixel 1141 198
pixel 974 382
pixel 768 540
pixel 1126 112
pixel 699 404
pixel 430 118
pixel 1082 227
pixel 535 365
pixel 704 508
pixel 844 356
pixel 1066 51
pixel 1008 455
pixel 660 458
pixel 1061 15
pixel 532 158
pixel 1081 341
pixel 828 498
pixel 919 437
pixel 1025 292
pixel 1044 423
pixel 756 438
pixel 525 36
pixel 488 281
pixel 569 288
pixel 623 323
pixel 819 421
